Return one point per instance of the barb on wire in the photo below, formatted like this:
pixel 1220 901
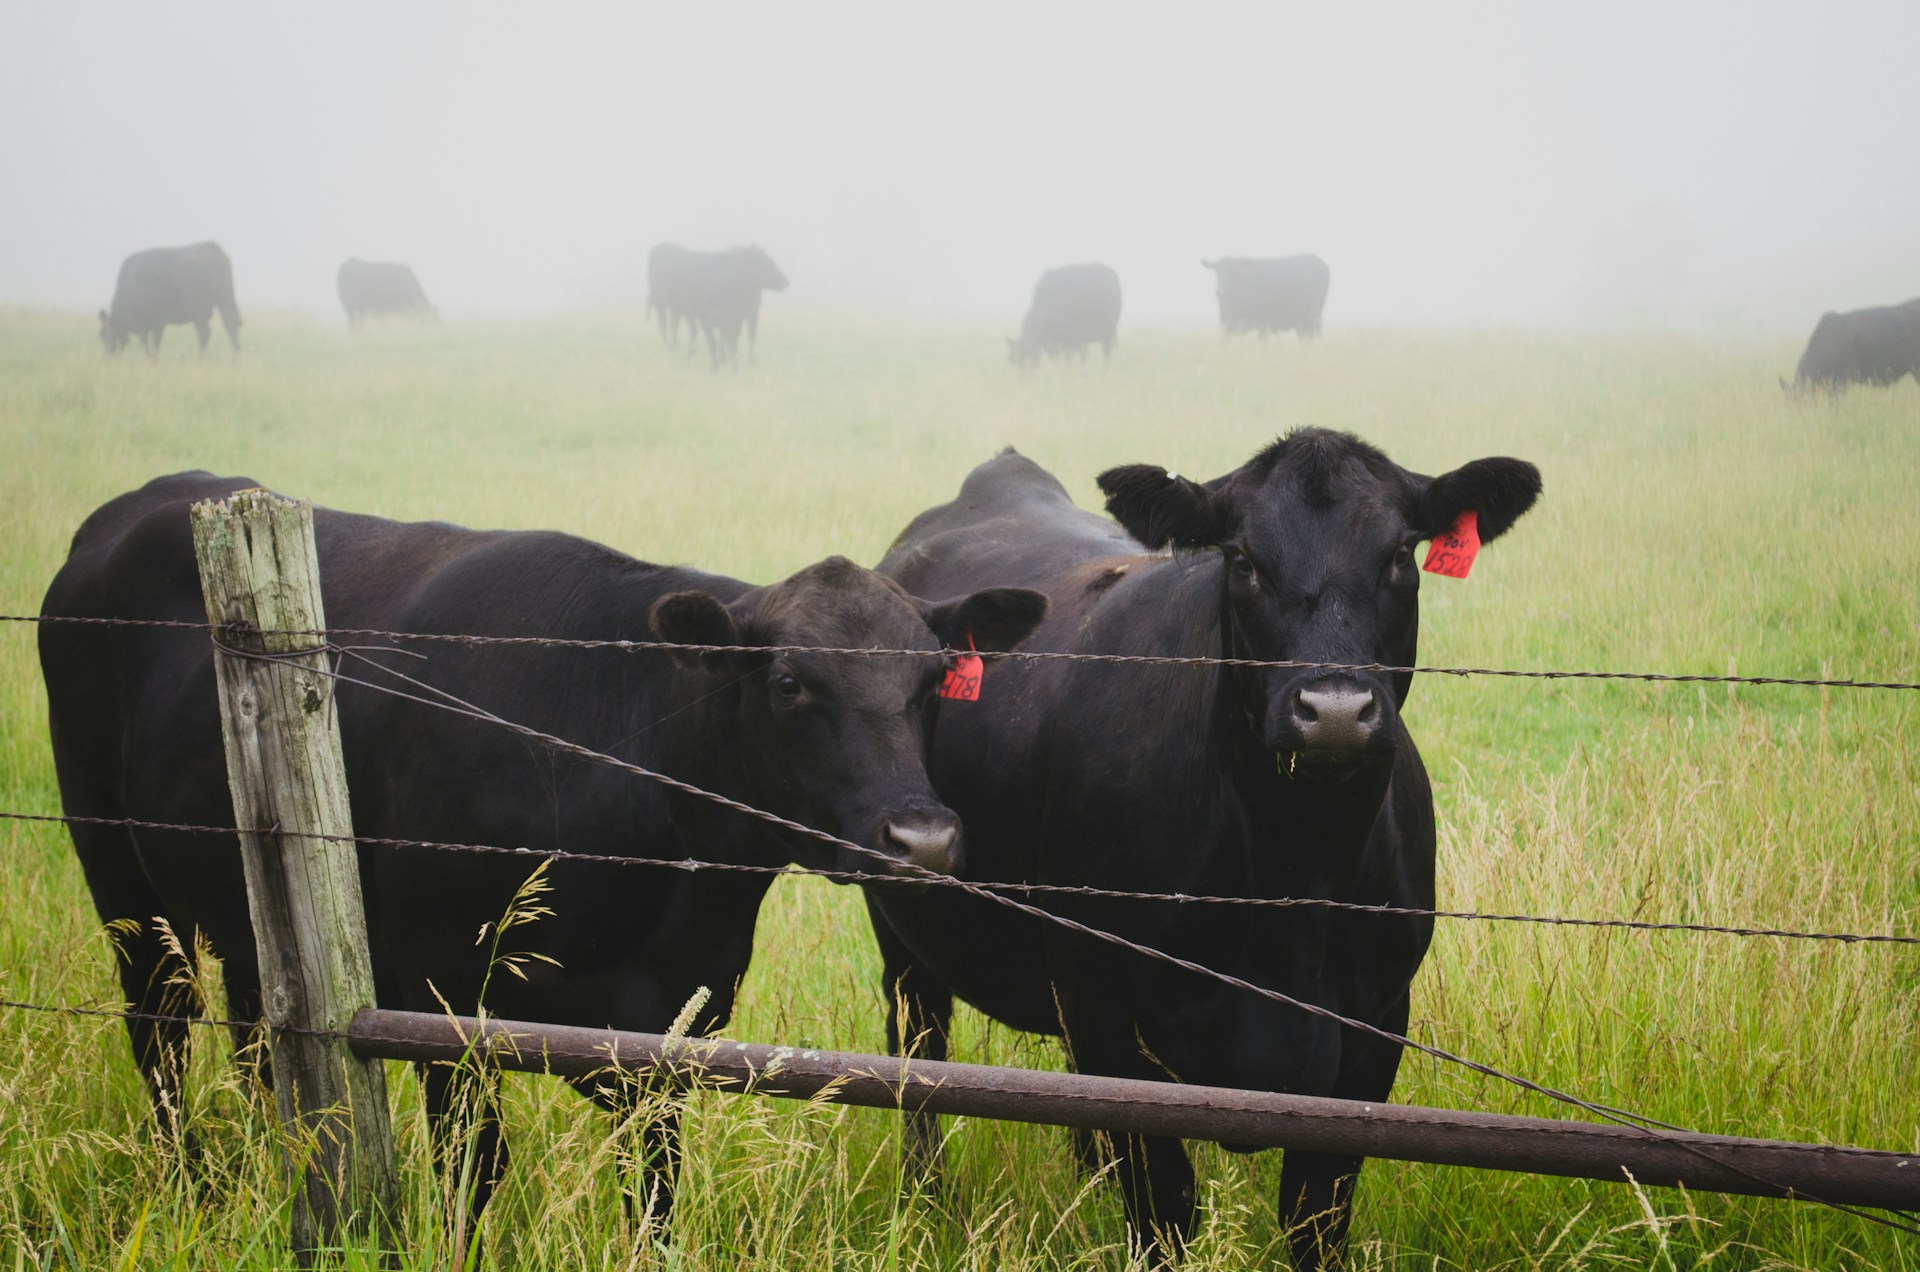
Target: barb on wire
pixel 694 864
pixel 1010 655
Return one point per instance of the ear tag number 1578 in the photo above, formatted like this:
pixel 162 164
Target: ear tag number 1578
pixel 1452 551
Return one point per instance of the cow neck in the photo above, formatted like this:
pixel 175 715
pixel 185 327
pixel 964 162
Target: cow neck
pixel 698 742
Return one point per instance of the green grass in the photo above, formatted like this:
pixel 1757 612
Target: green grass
pixel 1694 520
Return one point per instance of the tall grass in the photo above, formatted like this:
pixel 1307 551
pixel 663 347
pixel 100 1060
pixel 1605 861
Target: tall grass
pixel 1694 520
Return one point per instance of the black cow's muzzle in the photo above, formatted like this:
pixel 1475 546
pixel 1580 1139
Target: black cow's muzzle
pixel 1330 729
pixel 921 843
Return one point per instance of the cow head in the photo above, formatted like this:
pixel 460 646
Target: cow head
pixel 1022 352
pixel 835 741
pixel 761 270
pixel 1822 365
pixel 1317 534
pixel 112 335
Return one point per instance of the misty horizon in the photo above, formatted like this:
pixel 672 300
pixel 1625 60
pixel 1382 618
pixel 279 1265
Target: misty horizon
pixel 1721 168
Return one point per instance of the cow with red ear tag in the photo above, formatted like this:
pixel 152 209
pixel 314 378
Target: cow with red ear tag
pixel 1297 781
pixel 737 707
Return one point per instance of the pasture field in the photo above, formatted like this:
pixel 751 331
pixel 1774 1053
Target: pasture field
pixel 1694 520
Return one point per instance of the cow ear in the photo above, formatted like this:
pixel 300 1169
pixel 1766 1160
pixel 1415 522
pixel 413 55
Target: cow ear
pixel 1499 490
pixel 692 618
pixel 1160 508
pixel 996 618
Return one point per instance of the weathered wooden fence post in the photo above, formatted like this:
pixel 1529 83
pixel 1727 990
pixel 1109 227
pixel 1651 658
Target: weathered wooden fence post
pixel 260 573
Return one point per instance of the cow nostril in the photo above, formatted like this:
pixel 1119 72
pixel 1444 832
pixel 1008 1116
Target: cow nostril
pixel 1336 719
pixel 929 847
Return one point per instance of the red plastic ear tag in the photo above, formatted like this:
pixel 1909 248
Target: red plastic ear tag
pixel 1452 551
pixel 963 678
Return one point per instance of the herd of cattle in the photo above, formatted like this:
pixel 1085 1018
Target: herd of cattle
pixel 716 295
pixel 1272 782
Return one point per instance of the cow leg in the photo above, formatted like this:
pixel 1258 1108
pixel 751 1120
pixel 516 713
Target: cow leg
pixel 469 1153
pixel 919 1017
pixel 1154 1171
pixel 649 1176
pixel 150 340
pixel 1156 1183
pixel 1316 1189
pixel 153 978
pixel 156 983
pixel 203 329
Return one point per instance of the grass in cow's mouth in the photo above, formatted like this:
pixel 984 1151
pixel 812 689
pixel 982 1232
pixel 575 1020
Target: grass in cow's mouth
pixel 1694 519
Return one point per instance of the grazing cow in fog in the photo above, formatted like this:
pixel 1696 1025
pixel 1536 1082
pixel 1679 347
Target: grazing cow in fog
pixel 1285 293
pixel 1073 306
pixel 1863 346
pixel 381 289
pixel 1283 781
pixel 166 285
pixel 715 293
pixel 833 743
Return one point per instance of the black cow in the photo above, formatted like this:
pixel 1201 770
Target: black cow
pixel 1285 293
pixel 717 293
pixel 381 289
pixel 1230 781
pixel 837 744
pixel 1863 346
pixel 1073 306
pixel 166 285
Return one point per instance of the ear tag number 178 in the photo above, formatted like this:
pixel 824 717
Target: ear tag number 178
pixel 963 678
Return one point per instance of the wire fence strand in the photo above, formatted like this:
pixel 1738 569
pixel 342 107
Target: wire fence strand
pixel 1012 655
pixel 695 865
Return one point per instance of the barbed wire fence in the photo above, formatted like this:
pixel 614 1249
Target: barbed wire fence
pixel 1000 894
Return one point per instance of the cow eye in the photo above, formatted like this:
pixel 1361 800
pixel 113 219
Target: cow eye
pixel 787 685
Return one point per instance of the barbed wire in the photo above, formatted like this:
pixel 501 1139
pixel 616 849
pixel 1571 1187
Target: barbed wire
pixel 443 700
pixel 1010 655
pixel 694 864
pixel 453 704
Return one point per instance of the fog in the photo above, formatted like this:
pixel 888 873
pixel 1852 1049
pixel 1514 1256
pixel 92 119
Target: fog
pixel 1728 167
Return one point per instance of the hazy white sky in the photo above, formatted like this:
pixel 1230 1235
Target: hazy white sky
pixel 1726 166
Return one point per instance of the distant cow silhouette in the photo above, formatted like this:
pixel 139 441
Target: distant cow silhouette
pixel 715 293
pixel 1284 293
pixel 381 289
pixel 1072 307
pixel 1863 346
pixel 166 285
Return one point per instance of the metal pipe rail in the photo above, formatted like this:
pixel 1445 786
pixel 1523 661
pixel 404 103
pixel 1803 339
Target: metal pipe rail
pixel 1489 1141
